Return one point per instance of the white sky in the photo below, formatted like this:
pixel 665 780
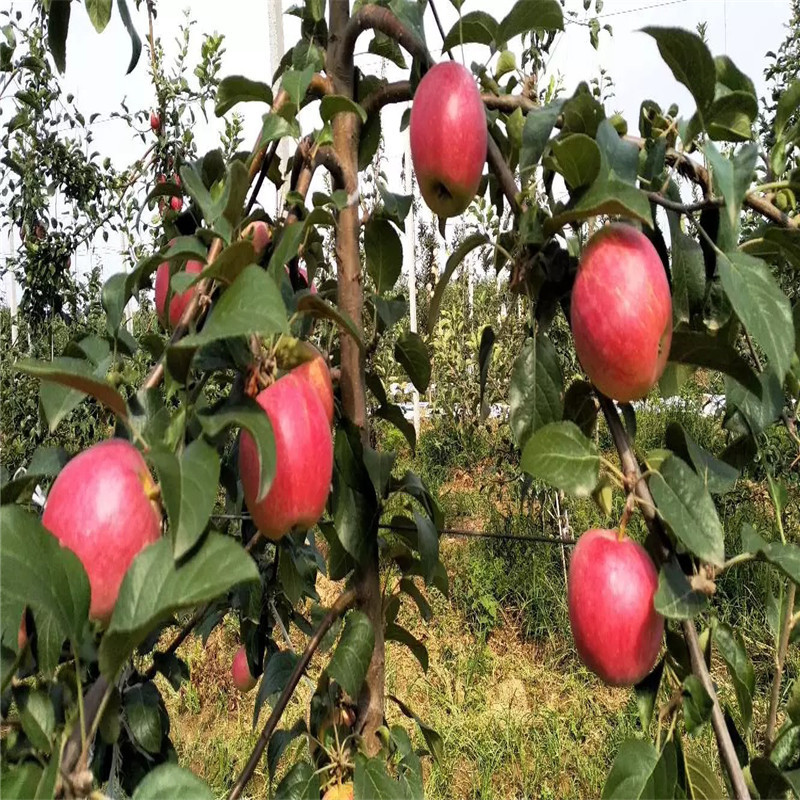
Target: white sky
pixel 743 29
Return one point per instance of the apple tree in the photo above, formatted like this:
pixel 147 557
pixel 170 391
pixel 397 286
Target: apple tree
pixel 274 339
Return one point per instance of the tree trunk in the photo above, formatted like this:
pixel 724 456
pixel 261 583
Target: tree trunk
pixel 346 129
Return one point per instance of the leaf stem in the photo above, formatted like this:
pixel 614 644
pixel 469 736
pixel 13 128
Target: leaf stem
pixel 81 719
pixel 780 659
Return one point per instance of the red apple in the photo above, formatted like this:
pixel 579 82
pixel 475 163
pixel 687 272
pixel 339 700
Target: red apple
pixel 259 234
pixel 610 590
pixel 176 203
pixel 155 122
pixel 240 670
pixel 304 453
pixel 179 301
pixel 22 634
pixel 621 313
pixel 303 272
pixel 101 508
pixel 318 375
pixel 448 138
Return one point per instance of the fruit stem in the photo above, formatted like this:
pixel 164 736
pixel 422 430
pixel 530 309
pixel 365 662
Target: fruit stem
pixel 630 504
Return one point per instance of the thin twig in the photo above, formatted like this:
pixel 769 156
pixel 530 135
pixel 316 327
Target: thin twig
pixel 780 659
pixel 439 26
pixel 684 208
pixel 343 602
pixel 266 164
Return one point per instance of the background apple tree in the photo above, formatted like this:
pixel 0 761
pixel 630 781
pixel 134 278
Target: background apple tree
pixel 80 708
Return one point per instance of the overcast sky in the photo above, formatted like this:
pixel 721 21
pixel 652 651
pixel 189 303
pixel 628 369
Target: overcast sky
pixel 744 29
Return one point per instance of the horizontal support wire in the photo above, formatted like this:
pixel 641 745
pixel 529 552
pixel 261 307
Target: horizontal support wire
pixel 446 532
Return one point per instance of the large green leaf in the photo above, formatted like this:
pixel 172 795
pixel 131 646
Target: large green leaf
pixel 697 704
pixel 333 104
pixel 397 633
pixel 761 306
pixel 718 476
pixel 49 579
pixel 136 42
pixel 731 178
pixel 675 598
pixel 99 12
pixel 691 63
pixel 315 306
pixel 459 254
pixel 633 774
pixel 189 491
pixel 45 463
pixel 561 455
pixel 688 276
pixel 577 158
pixel 77 374
pixel 531 15
pixel 235 89
pixel 384 254
pixel 37 715
pixel 278 669
pixel 786 557
pixel 394 414
pixel 539 124
pixel 734 653
pixel 348 665
pixel 476 26
pixel 57 28
pixel 300 783
pixel 274 127
pixel 536 391
pixel 155 587
pixel 711 352
pixel 251 304
pixel 170 780
pixel 686 506
pixel 702 781
pixel 142 713
pixel 228 264
pixel 246 414
pixel 412 354
pixel 758 410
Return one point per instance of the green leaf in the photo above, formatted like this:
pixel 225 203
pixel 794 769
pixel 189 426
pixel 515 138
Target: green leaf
pixel 432 738
pixel 786 557
pixel 718 476
pixel 141 704
pixel 37 715
pixel 315 306
pixel 395 206
pixel 20 781
pixel 459 254
pixel 384 253
pixel 788 103
pixel 697 704
pixel 390 310
pixel 691 63
pixel 277 671
pixel 408 586
pixel 370 780
pixel 633 772
pixel 605 196
pixel 734 653
pixel 333 104
pixel 477 26
pixel 701 350
pixel 227 266
pixel 296 82
pixel 300 783
pixel 561 455
pixel 688 510
pixel 50 579
pixel 619 156
pixel 529 15
pixel 379 466
pixel 675 598
pixel 412 354
pixel 761 410
pixel 155 587
pixel 348 665
pixel 484 360
pixel 394 414
pixel 189 490
pixel 731 178
pixel 274 127
pixel 57 29
pixel 397 633
pixel 238 89
pixel 136 42
pixel 647 693
pixel 251 304
pixel 99 12
pixel 170 780
pixel 536 391
pixel 578 159
pixel 427 545
pixel 688 276
pixel 286 248
pixel 539 124
pixel 761 306
pixel 76 374
pixel 730 117
pixel 246 414
pixel 768 778
pixel 386 47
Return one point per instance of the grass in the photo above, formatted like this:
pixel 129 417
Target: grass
pixel 518 714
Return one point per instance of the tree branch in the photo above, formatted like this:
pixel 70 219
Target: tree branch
pixel 343 602
pixel 687 208
pixel 780 659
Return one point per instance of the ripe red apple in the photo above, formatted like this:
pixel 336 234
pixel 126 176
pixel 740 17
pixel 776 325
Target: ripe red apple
pixel 176 203
pixel 621 313
pixel 610 590
pixel 155 122
pixel 240 670
pixel 179 301
pixel 448 138
pixel 101 508
pixel 304 453
pixel 259 234
pixel 318 375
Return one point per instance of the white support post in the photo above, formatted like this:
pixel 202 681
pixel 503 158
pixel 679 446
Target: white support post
pixel 409 259
pixel 12 292
pixel 275 44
